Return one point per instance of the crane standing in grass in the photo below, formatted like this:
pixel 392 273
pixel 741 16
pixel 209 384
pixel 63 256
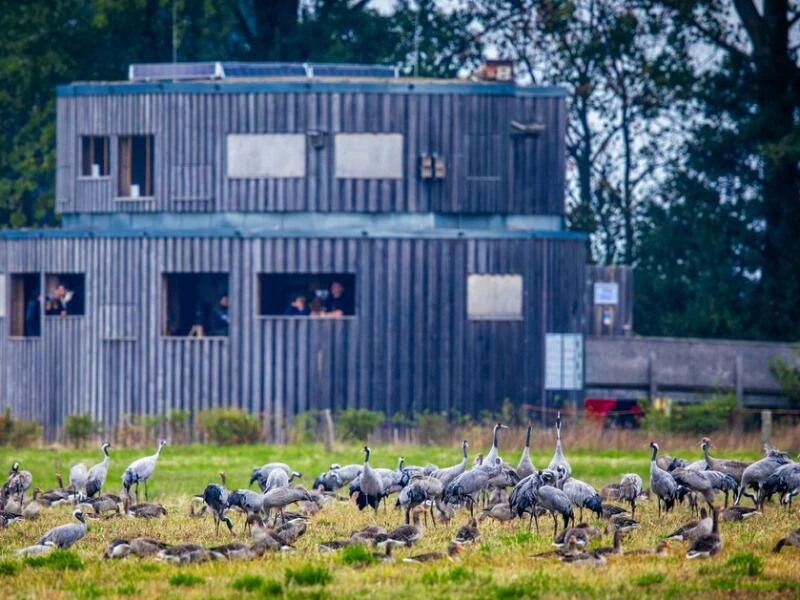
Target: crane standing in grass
pixel 525 466
pixel 141 470
pixel 662 484
pixel 558 456
pixel 96 478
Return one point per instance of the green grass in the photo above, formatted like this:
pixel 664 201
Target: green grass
pixel 499 567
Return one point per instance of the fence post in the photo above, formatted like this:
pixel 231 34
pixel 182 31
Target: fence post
pixel 326 415
pixel 766 426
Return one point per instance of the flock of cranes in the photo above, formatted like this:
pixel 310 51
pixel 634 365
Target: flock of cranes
pixel 492 486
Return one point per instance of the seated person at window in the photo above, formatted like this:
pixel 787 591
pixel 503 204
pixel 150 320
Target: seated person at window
pixel 298 307
pixel 315 307
pixel 335 303
pixel 33 313
pixel 219 318
pixel 55 305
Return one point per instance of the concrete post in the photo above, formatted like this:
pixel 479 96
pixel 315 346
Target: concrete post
pixel 738 377
pixel 329 432
pixel 651 374
pixel 766 426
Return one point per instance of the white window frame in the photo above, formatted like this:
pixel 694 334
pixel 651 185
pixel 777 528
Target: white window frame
pixel 495 297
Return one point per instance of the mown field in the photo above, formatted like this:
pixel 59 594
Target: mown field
pixel 498 567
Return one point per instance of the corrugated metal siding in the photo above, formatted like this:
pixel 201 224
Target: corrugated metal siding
pixel 467 131
pixel 409 348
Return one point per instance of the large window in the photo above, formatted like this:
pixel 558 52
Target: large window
pixel 266 155
pixel 368 156
pixel 494 297
pixel 65 294
pixel 323 295
pixel 195 304
pixel 94 156
pixel 136 159
pixel 25 314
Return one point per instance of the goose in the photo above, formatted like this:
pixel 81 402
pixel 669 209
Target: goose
pixel 709 544
pixel 65 536
pixel 793 539
pixel 367 535
pixel 96 477
pixel 498 512
pixel 146 510
pixel 582 532
pixel 616 548
pixel 661 550
pixel 738 513
pixel 30 512
pixel 588 559
pixel 662 484
pixel 453 548
pixel 56 496
pixel 117 548
pixel 386 555
pixel 187 553
pixel 525 466
pixel 141 470
pixel 103 503
pixel 469 533
pixel 611 510
pixel 568 546
pixel 558 457
pixel 405 535
pixel 693 529
pixel 622 523
pixel 8 518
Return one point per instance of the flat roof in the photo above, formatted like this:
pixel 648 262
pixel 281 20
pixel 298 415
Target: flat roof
pixel 308 85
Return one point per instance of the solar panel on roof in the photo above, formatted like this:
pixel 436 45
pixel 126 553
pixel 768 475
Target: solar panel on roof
pixel 175 71
pixel 244 69
pixel 344 70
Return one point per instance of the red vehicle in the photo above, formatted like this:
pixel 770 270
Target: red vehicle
pixel 614 412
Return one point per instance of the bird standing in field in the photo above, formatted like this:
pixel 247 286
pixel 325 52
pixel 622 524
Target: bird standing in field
pixel 553 500
pixel 494 453
pixel 662 484
pixel 525 466
pixel 558 457
pixel 453 548
pixel 141 470
pixel 734 468
pixel 78 474
pixel 64 536
pixel 708 544
pixel 371 483
pixel 447 474
pixel 629 490
pixel 96 477
pixel 18 482
pixel 260 474
pixel 581 494
pixel 757 474
pixel 793 539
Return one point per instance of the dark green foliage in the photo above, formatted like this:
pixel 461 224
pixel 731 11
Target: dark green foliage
pixel 8 568
pixel 18 433
pixel 79 428
pixel 788 376
pixel 248 583
pixel 354 425
pixel 357 556
pixel 456 575
pixel 185 580
pixel 229 426
pixel 309 574
pixel 58 560
pixel 701 418
pixel 648 579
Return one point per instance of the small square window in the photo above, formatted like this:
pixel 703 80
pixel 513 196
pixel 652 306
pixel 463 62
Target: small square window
pixel 195 304
pixel 136 158
pixel 494 297
pixel 94 156
pixel 306 294
pixel 65 294
pixel 25 314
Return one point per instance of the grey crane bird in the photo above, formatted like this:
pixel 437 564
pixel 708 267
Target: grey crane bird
pixel 371 482
pixel 260 474
pixel 280 478
pixel 630 488
pixel 558 457
pixel 523 496
pixel 662 484
pixel 65 536
pixel 78 474
pixel 96 478
pixel 757 474
pixel 215 496
pixel 141 470
pixel 420 489
pixel 525 466
pixel 18 482
pixel 734 468
pixel 582 495
pixel 448 474
pixel 494 453
pixel 696 481
pixel 281 497
pixel 785 480
pixel 722 482
pixel 464 487
pixel 553 500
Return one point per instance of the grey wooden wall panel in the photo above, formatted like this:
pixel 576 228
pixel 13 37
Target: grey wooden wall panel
pixel 409 348
pixel 190 170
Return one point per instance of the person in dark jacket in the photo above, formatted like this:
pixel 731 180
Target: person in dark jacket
pixel 33 316
pixel 298 307
pixel 335 304
pixel 219 318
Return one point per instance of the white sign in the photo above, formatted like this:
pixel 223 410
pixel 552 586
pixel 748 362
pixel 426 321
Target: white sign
pixel 494 297
pixel 368 156
pixel 266 155
pixel 2 295
pixel 563 361
pixel 606 293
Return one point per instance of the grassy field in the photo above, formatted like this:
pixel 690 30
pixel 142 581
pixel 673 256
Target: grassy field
pixel 498 567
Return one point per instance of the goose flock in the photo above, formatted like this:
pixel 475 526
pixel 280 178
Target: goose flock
pixel 488 489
